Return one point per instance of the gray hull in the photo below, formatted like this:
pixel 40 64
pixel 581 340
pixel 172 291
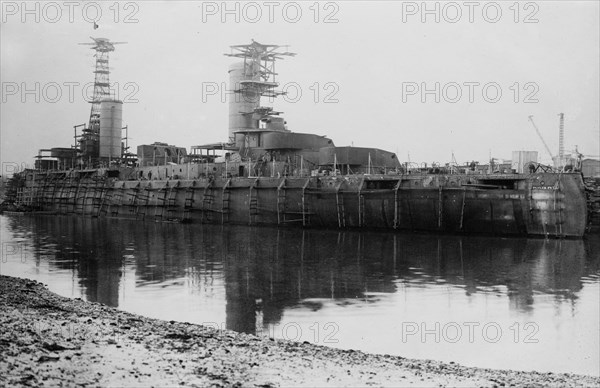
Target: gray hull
pixel 545 204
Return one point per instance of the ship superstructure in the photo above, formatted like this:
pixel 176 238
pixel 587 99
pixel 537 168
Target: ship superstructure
pixel 265 173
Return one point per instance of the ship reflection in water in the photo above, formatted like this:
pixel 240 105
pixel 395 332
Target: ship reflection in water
pixel 528 304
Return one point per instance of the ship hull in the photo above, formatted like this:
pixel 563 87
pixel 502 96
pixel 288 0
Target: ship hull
pixel 545 204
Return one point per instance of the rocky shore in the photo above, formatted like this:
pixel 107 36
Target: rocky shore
pixel 49 340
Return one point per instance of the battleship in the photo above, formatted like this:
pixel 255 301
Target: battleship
pixel 266 174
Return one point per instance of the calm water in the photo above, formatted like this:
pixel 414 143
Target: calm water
pixel 525 304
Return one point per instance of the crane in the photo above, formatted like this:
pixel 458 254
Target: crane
pixel 561 137
pixel 541 137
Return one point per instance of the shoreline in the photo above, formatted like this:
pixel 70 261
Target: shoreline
pixel 50 340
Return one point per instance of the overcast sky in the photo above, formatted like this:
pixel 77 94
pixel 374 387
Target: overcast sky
pixel 361 68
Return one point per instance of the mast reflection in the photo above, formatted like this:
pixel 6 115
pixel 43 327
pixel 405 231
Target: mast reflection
pixel 264 271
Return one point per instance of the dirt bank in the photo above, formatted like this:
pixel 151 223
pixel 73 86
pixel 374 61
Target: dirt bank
pixel 49 340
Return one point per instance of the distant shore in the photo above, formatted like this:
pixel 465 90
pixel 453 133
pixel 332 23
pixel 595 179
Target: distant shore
pixel 50 340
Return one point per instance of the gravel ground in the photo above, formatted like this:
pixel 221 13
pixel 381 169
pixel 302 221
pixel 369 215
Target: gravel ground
pixel 49 340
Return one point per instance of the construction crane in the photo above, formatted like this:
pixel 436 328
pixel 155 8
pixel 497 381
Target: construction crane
pixel 541 137
pixel 561 137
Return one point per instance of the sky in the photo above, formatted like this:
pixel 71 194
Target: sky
pixel 427 80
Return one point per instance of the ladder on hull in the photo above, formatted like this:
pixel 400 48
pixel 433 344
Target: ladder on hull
pixel 208 198
pixel 253 203
pixel 188 203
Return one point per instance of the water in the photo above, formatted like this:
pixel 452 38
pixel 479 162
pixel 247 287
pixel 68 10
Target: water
pixel 525 304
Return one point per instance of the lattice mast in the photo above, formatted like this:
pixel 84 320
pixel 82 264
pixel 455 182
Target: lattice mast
pixel 90 136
